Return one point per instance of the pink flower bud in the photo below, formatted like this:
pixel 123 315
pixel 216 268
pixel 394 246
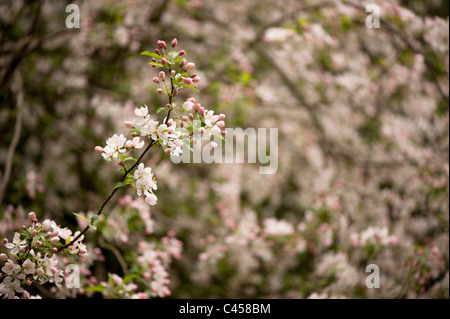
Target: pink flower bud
pixel 157 51
pixel 154 60
pixel 168 151
pixel 182 63
pixel 216 130
pixel 129 124
pixel 185 118
pixel 146 276
pixel 128 144
pixel 188 106
pixel 134 134
pixel 29 283
pixel 191 116
pixel 188 81
pixel 160 91
pixel 3 257
pixel 213 144
pixel 173 72
pixel 161 44
pixel 162 75
pixel 32 216
pixel 5 241
pixel 54 240
pixel 174 43
pixel 54 249
pixel 33 233
pixel 38 243
pixel 220 124
pixel 49 234
pixel 22 250
pixel 197 107
pixel 182 124
pixel 224 133
pixel 55 233
pixel 175 92
pixel 190 66
pixel 40 272
pixel 181 53
pixel 169 131
pixel 163 61
pixel 201 130
pixel 191 99
pixel 155 79
pixel 202 111
pixel 196 79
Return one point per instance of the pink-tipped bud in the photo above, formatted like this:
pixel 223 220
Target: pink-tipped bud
pixel 29 283
pixel 160 91
pixel 163 61
pixel 182 63
pixel 54 249
pixel 191 99
pixel 202 111
pixel 168 151
pixel 201 130
pixel 162 75
pixel 169 106
pixel 182 124
pixel 197 107
pixel 185 118
pixel 54 240
pixel 33 233
pixel 99 149
pixel 157 51
pixel 174 43
pixel 188 81
pixel 190 66
pixel 175 92
pixel 32 216
pixel 55 233
pixel 216 130
pixel 191 116
pixel 146 276
pixel 173 72
pixel 194 75
pixel 49 234
pixel 129 124
pixel 161 44
pixel 224 133
pixel 169 131
pixel 220 124
pixel 3 257
pixel 156 80
pixel 134 134
pixel 221 117
pixel 22 250
pixel 213 144
pixel 38 243
pixel 128 144
pixel 154 60
pixel 196 79
pixel 181 53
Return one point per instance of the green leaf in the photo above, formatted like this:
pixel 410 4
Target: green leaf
pixel 81 217
pixel 121 184
pixel 151 54
pixel 219 136
pixel 159 110
pixel 130 159
pixel 97 288
pixel 160 65
pixel 173 55
pixel 191 87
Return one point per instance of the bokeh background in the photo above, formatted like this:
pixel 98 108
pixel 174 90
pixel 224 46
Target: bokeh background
pixel 363 147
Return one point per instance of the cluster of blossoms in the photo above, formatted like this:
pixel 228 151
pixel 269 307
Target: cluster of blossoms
pixel 32 257
pixel 192 124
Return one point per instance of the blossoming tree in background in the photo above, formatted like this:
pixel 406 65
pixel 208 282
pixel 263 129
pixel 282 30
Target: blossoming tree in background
pixel 363 162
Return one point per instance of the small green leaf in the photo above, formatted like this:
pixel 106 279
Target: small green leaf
pixel 97 288
pixel 121 184
pixel 191 87
pixel 160 65
pixel 159 110
pixel 81 217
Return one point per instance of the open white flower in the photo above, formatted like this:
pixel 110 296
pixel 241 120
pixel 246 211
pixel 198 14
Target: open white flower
pixel 11 285
pixel 16 245
pixel 210 118
pixel 29 267
pixel 11 268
